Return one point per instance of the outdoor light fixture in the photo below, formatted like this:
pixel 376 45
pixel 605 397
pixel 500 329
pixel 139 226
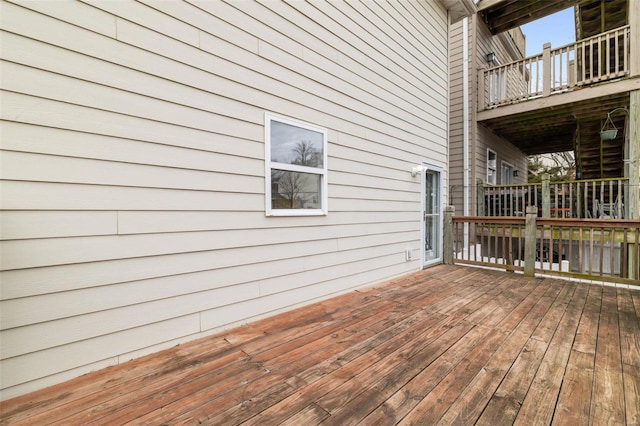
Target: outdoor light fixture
pixel 415 171
pixel 491 58
pixel 609 130
pixel 515 173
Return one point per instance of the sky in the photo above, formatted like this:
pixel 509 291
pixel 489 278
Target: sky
pixel 558 29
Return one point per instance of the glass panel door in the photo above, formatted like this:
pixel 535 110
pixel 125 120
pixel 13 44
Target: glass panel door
pixel 432 218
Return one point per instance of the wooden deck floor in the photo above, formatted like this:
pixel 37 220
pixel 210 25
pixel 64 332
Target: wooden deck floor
pixel 449 345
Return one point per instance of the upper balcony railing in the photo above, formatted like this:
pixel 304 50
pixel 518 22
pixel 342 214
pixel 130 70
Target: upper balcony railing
pixel 595 59
pixel 590 198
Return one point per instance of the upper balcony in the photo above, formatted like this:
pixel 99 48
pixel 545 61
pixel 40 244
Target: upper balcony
pixel 604 57
pixel 552 101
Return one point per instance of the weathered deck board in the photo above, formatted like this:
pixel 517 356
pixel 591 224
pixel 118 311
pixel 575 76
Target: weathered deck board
pixel 540 401
pixel 448 345
pixel 608 407
pixel 630 352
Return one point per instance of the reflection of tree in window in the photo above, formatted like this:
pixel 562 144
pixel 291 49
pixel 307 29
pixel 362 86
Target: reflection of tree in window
pixel 297 189
pixel 289 185
pixel 306 155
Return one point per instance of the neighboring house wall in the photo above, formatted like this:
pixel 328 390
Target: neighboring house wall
pixel 507 48
pixel 133 167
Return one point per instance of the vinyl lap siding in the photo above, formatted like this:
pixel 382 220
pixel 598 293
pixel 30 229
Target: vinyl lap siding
pixel 486 138
pixel 456 118
pixel 133 167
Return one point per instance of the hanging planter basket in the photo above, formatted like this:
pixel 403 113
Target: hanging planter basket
pixel 609 131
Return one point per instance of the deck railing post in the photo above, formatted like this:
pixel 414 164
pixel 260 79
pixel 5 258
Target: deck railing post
pixel 480 197
pixel 447 256
pixel 530 241
pixel 546 69
pixel 546 196
pixel 482 103
pixel 634 39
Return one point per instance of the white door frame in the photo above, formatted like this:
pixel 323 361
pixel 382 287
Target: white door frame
pixel 430 165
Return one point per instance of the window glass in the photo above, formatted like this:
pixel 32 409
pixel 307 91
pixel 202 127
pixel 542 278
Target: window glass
pixel 295 190
pixel 295 145
pixel 506 173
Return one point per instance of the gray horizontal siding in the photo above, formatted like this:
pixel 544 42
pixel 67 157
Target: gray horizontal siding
pixel 133 167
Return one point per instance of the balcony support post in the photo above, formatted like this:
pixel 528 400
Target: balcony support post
pixel 546 69
pixel 546 196
pixel 633 155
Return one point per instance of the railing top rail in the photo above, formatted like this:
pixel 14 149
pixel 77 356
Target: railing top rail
pixel 539 56
pixel 590 223
pixel 543 221
pixel 593 37
pixel 589 180
pixel 558 182
pixel 510 185
pixel 517 61
pixel 506 220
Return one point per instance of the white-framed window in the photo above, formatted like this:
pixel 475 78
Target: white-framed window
pixel 491 166
pixel 506 173
pixel 295 167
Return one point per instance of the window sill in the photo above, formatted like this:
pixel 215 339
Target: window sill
pixel 309 212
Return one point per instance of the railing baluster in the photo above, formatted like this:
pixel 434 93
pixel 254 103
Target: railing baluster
pixel 607 53
pixel 585 201
pixel 570 239
pixel 541 247
pixel 602 50
pixel 616 53
pixel 636 255
pixel 602 199
pixel 583 76
pixel 510 261
pixel 504 244
pixel 602 251
pixel 612 237
pixel 580 252
pixel 591 250
pixel 493 202
pixel 624 254
pixel 497 228
pixel 561 78
pixel 611 210
pixel 481 240
pixel 512 209
pixel 593 199
pixel 550 249
pixel 591 62
pixel 578 201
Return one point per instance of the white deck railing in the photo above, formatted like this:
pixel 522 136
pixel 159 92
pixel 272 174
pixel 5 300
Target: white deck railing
pixel 598 58
pixel 591 198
